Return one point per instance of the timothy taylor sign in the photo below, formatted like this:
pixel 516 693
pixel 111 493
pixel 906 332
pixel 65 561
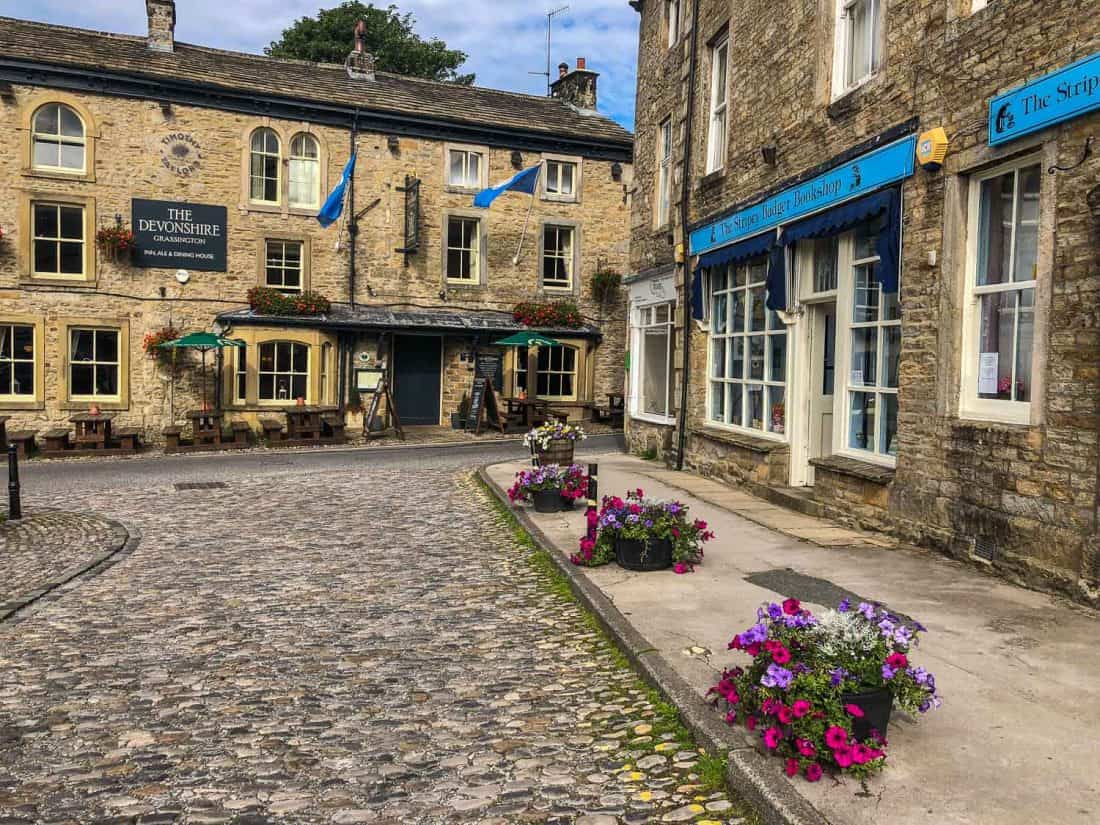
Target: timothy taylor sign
pixel 179 235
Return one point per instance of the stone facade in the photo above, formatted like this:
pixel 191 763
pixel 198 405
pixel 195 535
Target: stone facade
pixel 198 152
pixel 1023 492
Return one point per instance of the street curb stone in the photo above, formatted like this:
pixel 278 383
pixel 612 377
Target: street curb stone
pixel 752 775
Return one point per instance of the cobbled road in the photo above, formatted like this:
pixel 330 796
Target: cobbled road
pixel 343 641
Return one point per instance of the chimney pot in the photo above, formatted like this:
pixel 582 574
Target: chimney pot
pixel 360 35
pixel 563 69
pixel 162 25
pixel 580 63
pixel 577 88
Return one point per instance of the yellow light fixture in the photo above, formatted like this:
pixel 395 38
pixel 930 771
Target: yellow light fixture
pixel 932 148
pixel 680 253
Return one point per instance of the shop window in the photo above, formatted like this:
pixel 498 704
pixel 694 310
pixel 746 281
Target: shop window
pixel 283 371
pixel 557 372
pixel 58 139
pixel 463 258
pixel 874 347
pixel 558 256
pixel 17 362
pixel 58 242
pixel 284 266
pixel 265 166
pixel 653 352
pixel 464 168
pixel 664 172
pixel 304 173
pixel 858 42
pixel 1002 276
pixel 93 364
pixel 560 181
pixel 719 100
pixel 748 352
pixel 672 21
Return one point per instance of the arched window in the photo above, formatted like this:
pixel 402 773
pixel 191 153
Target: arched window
pixel 305 171
pixel 284 371
pixel 265 166
pixel 58 138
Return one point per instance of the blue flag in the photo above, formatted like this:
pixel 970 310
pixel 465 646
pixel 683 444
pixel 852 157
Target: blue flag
pixel 524 181
pixel 334 206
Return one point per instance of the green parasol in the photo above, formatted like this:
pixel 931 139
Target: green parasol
pixel 528 339
pixel 204 342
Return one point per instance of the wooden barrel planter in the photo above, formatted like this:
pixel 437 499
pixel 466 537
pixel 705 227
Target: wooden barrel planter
pixel 559 452
pixel 644 556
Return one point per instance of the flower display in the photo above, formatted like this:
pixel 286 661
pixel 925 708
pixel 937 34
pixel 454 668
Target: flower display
pixel 546 477
pixel 639 518
pixel 115 239
pixel 268 301
pixel 560 314
pixel 797 694
pixel 542 437
pixel 152 341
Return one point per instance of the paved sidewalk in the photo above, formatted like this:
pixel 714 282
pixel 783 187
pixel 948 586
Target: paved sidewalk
pixel 1018 737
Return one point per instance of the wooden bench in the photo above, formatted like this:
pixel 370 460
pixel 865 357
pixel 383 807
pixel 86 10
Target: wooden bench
pixel 127 437
pixel 57 440
pixel 172 438
pixel 334 425
pixel 24 441
pixel 237 432
pixel 273 429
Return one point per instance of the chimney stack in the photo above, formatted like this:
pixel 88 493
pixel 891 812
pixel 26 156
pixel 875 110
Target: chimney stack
pixel 577 87
pixel 162 24
pixel 360 63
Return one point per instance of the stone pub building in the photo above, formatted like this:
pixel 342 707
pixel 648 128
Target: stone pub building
pixel 865 252
pixel 220 161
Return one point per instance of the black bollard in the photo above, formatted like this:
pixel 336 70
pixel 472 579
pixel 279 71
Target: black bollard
pixel 593 496
pixel 15 506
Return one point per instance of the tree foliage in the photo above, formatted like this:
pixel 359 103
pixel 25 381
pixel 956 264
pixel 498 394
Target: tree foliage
pixel 328 37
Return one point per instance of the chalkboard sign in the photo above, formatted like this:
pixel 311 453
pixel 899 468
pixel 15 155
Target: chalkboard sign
pixel 477 404
pixel 488 367
pixel 381 389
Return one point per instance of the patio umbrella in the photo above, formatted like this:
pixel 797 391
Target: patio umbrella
pixel 204 342
pixel 528 339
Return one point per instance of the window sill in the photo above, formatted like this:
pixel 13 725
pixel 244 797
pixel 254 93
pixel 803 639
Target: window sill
pixel 83 405
pixel 44 174
pixel 711 179
pixel 449 284
pixel 36 404
pixel 847 101
pixel 304 211
pixel 461 190
pixel 757 443
pixel 650 418
pixel 1007 418
pixel 78 283
pixel 560 198
pixel 268 208
pixel 856 468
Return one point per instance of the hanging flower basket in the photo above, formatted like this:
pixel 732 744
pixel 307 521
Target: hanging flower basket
pixel 152 341
pixel 115 241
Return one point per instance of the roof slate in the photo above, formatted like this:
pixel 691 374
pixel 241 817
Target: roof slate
pixel 329 84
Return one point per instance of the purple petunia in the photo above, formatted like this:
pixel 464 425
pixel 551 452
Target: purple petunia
pixel 844 606
pixel 775 611
pixel 888 672
pixel 777 676
pixel 838 675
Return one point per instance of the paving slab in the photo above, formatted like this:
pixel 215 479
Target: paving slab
pixel 1017 741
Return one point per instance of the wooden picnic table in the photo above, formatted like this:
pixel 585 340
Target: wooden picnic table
pixel 531 410
pixel 206 426
pixel 306 421
pixel 93 430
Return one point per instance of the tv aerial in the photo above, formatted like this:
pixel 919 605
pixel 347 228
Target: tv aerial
pixel 550 15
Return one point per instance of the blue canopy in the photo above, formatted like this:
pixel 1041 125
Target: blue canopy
pixel 752 247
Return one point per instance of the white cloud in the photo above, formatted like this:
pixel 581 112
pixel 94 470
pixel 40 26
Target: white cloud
pixel 505 39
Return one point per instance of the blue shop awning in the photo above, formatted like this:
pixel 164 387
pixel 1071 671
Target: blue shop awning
pixel 752 247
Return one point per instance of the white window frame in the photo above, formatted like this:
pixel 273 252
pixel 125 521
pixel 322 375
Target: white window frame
pixel 300 162
pixel 7 331
pixel 718 113
pixel 729 336
pixel 844 77
pixel 977 5
pixel 260 372
pixel 550 163
pixel 58 139
pixel 467 184
pixel 58 240
pixel 264 152
pixel 95 363
pixel 645 319
pixel 664 173
pixel 475 251
pixel 279 264
pixel 568 256
pixel 672 21
pixel 970 405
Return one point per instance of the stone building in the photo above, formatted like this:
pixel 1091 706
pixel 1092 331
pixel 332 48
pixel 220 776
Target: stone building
pixel 219 162
pixel 890 265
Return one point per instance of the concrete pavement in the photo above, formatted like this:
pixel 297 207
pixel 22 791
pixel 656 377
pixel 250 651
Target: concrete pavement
pixel 1017 741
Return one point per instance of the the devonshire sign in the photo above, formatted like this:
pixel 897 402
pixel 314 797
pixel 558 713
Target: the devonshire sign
pixel 1062 95
pixel 179 235
pixel 866 173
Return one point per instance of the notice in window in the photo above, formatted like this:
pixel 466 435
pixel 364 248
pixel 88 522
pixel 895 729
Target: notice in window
pixel 988 368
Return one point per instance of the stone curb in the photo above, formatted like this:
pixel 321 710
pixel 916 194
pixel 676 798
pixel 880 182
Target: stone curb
pixel 123 540
pixel 752 775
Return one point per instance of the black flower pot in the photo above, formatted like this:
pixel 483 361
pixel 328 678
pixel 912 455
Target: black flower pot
pixel 876 706
pixel 546 501
pixel 567 503
pixel 651 554
pixel 458 421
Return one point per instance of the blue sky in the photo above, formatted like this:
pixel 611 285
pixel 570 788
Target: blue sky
pixel 505 39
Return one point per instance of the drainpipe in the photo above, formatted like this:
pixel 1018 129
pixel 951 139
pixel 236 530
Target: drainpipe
pixel 353 220
pixel 685 207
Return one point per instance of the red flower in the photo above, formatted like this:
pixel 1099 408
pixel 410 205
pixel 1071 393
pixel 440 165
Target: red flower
pixel 781 655
pixel 791 606
pixel 897 661
pixel 792 767
pixel 813 772
pixel 854 710
pixel 784 715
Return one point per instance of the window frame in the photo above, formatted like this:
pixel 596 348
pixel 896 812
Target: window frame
pixel 34 401
pixel 576 162
pixel 844 80
pixel 663 204
pixel 479 246
pixel 87 241
pixel 766 383
pixel 304 271
pixel 292 158
pixel 718 108
pixel 520 368
pixel 673 19
pixel 574 257
pixel 59 140
pixel 644 317
pixel 483 167
pixel 27 112
pixel 971 406
pixel 260 372
pixel 279 176
pixel 96 364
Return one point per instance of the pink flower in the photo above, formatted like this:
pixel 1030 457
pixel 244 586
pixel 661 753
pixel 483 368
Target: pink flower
pixel 753 649
pixel 750 723
pixel 897 661
pixel 843 756
pixel 770 706
pixel 861 754
pixel 781 655
pixel 813 772
pixel 772 737
pixel 854 710
pixel 836 737
pixel 680 568
pixel 792 767
pixel 791 606
pixel 784 715
pixel 806 747
pixel 731 717
pixel 800 708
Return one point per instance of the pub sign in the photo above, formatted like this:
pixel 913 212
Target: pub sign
pixel 177 235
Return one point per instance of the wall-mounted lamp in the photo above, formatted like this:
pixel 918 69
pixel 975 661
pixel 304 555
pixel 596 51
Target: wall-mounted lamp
pixel 616 171
pixel 394 142
pixel 517 159
pixel 7 92
pixel 166 108
pixel 768 153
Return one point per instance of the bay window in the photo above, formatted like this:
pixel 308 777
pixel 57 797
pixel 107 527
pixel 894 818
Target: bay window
pixel 283 371
pixel 556 372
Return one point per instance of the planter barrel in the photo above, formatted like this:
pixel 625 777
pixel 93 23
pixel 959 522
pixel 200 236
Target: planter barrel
pixel 559 452
pixel 546 501
pixel 644 556
pixel 876 706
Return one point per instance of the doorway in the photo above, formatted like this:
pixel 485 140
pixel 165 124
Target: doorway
pixel 822 354
pixel 417 378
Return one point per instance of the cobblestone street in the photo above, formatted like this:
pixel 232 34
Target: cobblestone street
pixel 366 644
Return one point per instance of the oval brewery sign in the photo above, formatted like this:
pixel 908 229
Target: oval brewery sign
pixel 173 235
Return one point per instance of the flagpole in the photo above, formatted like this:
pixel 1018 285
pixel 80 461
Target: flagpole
pixel 523 235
